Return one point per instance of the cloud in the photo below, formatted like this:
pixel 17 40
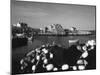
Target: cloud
pixel 39 14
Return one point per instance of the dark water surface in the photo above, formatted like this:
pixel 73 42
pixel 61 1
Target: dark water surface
pixel 18 53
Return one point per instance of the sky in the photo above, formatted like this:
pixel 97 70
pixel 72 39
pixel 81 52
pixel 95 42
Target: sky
pixel 39 15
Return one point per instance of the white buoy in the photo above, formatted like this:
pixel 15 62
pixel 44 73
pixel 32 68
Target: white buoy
pixel 33 60
pixel 33 67
pixel 74 68
pixel 78 47
pixel 45 61
pixel 65 67
pixel 43 45
pixel 37 57
pixel 85 54
pixel 45 50
pixel 22 67
pixel 55 69
pixel 37 50
pixel 21 62
pixel 51 55
pixel 85 62
pixel 91 42
pixel 84 48
pixel 81 67
pixel 80 62
pixel 49 67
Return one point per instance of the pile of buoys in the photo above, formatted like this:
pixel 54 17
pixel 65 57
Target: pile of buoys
pixel 43 59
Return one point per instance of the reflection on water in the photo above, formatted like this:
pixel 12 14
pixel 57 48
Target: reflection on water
pixel 60 40
pixel 63 40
